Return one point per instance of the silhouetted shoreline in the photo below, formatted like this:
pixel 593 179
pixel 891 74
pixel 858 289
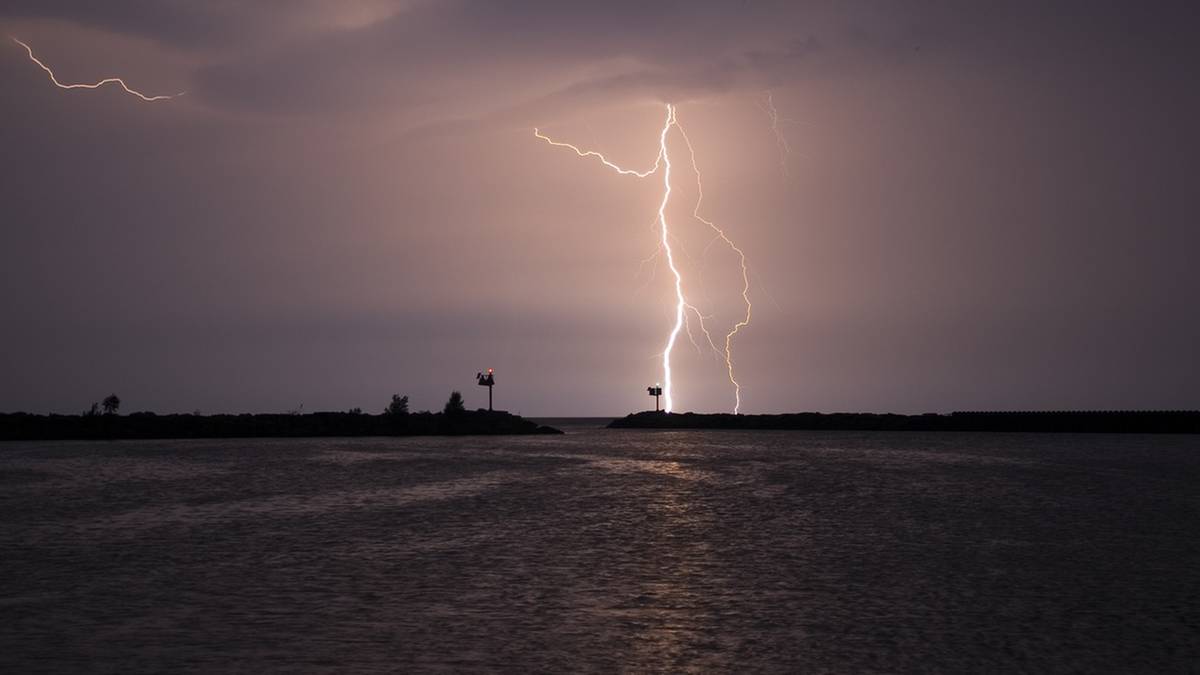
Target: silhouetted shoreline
pixel 24 426
pixel 1100 421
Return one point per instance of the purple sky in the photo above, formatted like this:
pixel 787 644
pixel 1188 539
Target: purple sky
pixel 983 208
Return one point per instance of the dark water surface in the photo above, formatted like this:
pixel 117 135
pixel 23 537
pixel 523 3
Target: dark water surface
pixel 599 550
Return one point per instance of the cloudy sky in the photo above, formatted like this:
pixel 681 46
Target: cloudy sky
pixel 984 205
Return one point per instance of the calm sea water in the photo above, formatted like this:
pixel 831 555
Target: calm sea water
pixel 604 550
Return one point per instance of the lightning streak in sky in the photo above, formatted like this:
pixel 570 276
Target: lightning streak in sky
pixel 682 306
pixel 680 301
pixel 97 85
pixel 602 158
pixel 745 321
pixel 785 149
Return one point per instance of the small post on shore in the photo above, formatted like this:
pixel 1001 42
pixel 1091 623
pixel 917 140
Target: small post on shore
pixel 655 391
pixel 489 381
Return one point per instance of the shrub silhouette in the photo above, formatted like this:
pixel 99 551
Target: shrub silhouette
pixel 454 406
pixel 398 406
pixel 111 404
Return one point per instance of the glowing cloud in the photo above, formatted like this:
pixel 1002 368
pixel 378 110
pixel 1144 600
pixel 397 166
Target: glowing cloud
pixel 95 85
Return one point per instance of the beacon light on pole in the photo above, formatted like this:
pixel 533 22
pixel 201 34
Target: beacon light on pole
pixel 489 381
pixel 655 391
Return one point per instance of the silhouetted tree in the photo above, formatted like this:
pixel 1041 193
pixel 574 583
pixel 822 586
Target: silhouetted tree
pixel 111 404
pixel 398 406
pixel 455 405
pixel 93 411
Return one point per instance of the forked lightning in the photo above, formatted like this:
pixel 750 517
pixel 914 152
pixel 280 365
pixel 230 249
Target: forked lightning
pixel 682 306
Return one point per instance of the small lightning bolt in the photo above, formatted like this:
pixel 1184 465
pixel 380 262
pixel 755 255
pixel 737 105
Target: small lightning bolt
pixel 602 158
pixel 785 149
pixel 96 85
pixel 682 306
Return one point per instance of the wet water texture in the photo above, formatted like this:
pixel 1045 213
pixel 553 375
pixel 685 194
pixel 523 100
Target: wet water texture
pixel 604 550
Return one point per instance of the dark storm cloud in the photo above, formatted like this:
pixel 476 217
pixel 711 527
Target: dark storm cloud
pixel 446 53
pixel 178 23
pixel 755 71
pixel 302 58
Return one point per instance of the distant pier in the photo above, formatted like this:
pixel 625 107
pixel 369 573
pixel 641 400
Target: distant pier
pixel 1050 421
pixel 23 426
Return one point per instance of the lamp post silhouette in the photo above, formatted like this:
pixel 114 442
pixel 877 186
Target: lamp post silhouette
pixel 489 381
pixel 655 391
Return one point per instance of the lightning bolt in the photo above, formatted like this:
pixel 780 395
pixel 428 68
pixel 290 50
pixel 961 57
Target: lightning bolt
pixel 785 149
pixel 680 301
pixel 745 321
pixel 602 158
pixel 96 85
pixel 682 306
